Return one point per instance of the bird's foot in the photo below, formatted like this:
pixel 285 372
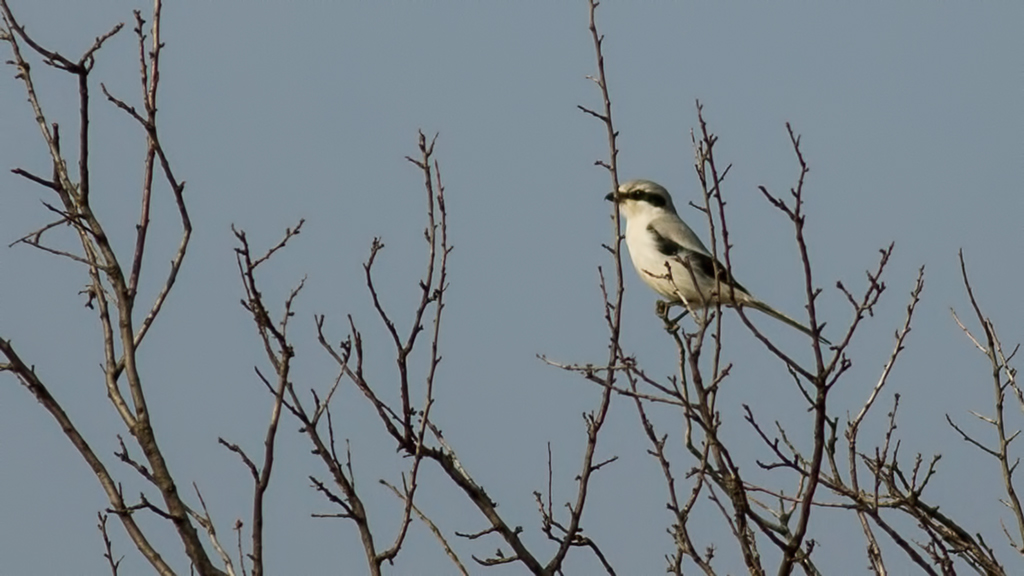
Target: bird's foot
pixel 661 308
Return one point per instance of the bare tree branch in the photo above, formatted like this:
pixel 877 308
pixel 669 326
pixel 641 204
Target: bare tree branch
pixel 1004 377
pixel 106 274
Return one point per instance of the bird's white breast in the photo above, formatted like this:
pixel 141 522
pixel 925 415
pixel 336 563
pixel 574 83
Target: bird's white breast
pixel 650 262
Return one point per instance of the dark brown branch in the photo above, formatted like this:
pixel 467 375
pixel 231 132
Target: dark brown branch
pixel 31 381
pixel 720 467
pixel 105 268
pixel 613 312
pixel 37 179
pixel 108 551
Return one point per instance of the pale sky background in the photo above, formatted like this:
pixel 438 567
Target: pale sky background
pixel 911 119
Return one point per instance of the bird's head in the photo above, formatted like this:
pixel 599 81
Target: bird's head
pixel 642 198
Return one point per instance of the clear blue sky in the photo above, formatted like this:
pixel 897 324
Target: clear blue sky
pixel 911 119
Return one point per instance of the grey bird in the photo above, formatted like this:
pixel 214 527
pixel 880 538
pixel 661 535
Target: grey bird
pixel 659 242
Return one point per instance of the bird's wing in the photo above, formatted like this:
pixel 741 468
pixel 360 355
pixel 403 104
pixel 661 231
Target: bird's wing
pixel 671 227
pixel 674 238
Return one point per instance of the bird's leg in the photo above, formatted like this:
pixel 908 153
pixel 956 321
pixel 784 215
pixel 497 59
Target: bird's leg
pixel 681 316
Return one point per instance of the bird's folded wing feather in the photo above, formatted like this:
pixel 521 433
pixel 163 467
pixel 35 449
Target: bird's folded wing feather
pixel 674 238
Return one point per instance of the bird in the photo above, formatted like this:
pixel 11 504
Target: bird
pixel 659 242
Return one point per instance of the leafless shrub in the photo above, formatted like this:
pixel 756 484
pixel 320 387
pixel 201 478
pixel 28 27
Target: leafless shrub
pixel 882 489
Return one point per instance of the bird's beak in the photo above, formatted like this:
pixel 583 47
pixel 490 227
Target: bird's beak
pixel 612 197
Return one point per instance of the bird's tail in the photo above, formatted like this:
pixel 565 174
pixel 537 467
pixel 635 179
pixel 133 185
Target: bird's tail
pixel 758 305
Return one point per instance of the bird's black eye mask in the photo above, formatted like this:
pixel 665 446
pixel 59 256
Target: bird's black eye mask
pixel 656 200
